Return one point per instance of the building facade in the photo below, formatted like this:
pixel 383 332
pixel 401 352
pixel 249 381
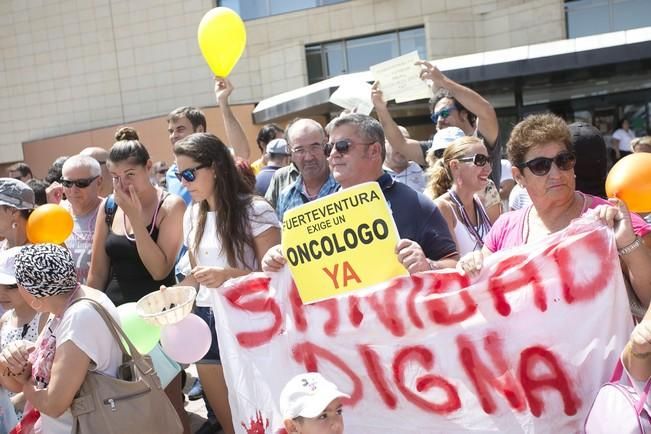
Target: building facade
pixel 68 66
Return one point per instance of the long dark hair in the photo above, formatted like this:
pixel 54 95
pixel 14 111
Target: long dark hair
pixel 233 196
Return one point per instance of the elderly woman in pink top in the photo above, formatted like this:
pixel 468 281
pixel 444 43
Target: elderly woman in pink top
pixel 540 151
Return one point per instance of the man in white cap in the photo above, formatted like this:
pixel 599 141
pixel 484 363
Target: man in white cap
pixel 278 156
pixel 310 404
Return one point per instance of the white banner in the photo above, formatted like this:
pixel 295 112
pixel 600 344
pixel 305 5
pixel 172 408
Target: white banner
pixel 523 347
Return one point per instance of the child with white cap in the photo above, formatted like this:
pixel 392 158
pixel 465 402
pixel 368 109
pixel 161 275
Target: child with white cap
pixel 310 404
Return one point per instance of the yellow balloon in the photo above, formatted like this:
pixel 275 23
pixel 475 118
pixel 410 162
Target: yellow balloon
pixel 222 38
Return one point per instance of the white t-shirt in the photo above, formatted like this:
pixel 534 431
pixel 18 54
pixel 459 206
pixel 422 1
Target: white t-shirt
pixel 82 325
pixel 506 171
pixel 261 217
pixel 624 138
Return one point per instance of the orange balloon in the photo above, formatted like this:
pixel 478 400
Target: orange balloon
pixel 49 223
pixel 630 181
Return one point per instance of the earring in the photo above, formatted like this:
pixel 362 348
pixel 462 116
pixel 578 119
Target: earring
pixel 38 306
pixel 14 225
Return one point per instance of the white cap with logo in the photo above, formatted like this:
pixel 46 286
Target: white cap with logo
pixel 8 266
pixel 307 395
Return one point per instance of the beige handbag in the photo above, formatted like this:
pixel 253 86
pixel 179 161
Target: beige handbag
pixel 133 403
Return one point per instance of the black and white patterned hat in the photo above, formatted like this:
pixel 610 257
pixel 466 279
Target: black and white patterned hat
pixel 45 270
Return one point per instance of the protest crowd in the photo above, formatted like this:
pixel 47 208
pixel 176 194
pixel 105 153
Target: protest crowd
pixel 214 215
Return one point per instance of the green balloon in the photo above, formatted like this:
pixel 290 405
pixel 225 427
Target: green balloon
pixel 143 336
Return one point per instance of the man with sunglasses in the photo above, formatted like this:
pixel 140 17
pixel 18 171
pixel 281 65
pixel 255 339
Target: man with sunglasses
pixel 454 105
pixel 306 139
pixel 81 181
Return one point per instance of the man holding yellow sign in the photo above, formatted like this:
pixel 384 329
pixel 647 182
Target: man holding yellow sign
pixel 425 243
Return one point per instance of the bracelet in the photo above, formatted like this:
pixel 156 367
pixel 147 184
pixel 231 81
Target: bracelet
pixel 630 247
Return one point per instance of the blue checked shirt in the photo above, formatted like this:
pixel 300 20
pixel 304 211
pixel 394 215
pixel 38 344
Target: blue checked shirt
pixel 293 195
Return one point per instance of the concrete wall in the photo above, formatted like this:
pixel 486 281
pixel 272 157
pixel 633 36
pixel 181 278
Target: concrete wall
pixel 77 65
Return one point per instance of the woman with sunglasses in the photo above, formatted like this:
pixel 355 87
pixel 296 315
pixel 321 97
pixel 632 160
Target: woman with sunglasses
pixel 455 180
pixel 540 150
pixel 227 231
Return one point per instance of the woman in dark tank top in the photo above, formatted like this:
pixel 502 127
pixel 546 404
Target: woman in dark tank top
pixel 138 232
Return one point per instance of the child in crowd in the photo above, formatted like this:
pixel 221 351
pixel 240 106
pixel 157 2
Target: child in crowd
pixel 310 404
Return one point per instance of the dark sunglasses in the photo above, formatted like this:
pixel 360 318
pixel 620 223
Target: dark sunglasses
pixel 343 146
pixel 79 183
pixel 190 174
pixel 479 160
pixel 444 113
pixel 542 165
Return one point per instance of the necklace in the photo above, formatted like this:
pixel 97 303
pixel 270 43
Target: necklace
pixel 526 230
pixel 153 222
pixel 477 232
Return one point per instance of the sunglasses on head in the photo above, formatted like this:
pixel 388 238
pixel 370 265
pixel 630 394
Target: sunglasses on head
pixel 479 160
pixel 190 174
pixel 343 146
pixel 443 113
pixel 79 183
pixel 542 165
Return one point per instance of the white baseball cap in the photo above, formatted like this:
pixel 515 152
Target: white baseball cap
pixel 446 136
pixel 307 395
pixel 8 266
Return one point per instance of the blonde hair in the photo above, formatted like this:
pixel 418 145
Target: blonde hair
pixel 440 175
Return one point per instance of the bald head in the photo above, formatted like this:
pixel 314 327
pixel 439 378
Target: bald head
pixel 303 127
pixel 101 155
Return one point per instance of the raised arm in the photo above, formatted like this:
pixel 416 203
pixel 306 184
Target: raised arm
pixel 235 136
pixel 410 148
pixel 479 106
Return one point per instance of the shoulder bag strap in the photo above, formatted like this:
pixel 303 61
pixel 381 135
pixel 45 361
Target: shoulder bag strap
pixel 121 337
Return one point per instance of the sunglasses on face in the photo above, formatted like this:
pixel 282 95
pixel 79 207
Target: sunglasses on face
pixel 343 146
pixel 443 113
pixel 79 183
pixel 190 174
pixel 479 160
pixel 542 165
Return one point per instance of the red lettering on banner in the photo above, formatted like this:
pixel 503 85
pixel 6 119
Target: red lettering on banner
pixel 376 374
pixel 297 308
pixel 596 242
pixel 482 377
pixel 257 305
pixel 387 309
pixel 438 308
pixel 309 353
pixel 331 326
pixel 417 282
pixel 528 274
pixel 530 359
pixel 425 357
pixel 355 315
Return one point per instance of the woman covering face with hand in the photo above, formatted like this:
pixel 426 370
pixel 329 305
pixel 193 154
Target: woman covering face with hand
pixel 227 231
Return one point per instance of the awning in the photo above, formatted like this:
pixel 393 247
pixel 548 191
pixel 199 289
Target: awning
pixel 566 54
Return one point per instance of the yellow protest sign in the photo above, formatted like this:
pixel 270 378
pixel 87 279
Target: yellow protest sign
pixel 340 243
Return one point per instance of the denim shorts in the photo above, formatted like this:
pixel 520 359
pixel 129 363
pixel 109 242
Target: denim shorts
pixel 212 356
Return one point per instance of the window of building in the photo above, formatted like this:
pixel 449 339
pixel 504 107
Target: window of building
pixel 252 9
pixel 330 59
pixel 590 17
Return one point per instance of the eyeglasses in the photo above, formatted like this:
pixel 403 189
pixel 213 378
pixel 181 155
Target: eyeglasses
pixel 79 183
pixel 190 174
pixel 479 160
pixel 314 148
pixel 343 146
pixel 542 165
pixel 444 113
pixel 161 171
